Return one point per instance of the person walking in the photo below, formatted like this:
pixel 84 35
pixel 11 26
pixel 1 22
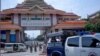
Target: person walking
pixel 31 49
pixel 35 46
pixel 40 47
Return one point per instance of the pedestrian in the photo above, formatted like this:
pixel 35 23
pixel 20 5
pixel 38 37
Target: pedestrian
pixel 27 47
pixel 35 48
pixel 40 47
pixel 44 48
pixel 31 49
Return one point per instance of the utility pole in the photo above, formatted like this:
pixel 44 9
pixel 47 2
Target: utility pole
pixel 0 26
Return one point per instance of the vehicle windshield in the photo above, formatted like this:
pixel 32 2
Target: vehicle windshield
pixel 21 44
pixel 8 45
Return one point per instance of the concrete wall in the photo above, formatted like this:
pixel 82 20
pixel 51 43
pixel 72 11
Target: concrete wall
pixel 54 19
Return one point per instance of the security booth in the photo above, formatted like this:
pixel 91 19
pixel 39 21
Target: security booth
pixel 56 43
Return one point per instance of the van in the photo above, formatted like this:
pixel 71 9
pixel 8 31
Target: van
pixel 86 45
pixel 14 47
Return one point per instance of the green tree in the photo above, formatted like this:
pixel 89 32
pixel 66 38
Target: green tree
pixel 90 27
pixel 40 38
pixel 97 27
pixel 93 27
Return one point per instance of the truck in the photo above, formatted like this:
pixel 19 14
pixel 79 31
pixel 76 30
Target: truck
pixel 56 43
pixel 64 44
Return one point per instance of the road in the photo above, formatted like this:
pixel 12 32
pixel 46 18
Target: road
pixel 23 53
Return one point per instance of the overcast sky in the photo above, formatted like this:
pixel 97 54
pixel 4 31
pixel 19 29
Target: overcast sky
pixel 79 7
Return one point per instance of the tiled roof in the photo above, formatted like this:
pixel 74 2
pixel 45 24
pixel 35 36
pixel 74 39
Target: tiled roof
pixel 31 3
pixel 9 26
pixel 45 11
pixel 70 25
pixel 24 8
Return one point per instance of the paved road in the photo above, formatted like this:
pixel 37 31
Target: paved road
pixel 23 53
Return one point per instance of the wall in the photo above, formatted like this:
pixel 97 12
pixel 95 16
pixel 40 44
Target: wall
pixel 54 19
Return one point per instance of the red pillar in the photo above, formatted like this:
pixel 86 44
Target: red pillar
pixel 18 40
pixel 7 36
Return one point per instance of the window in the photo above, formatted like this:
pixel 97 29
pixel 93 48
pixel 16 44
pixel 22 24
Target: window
pixel 3 36
pixel 21 45
pixel 90 42
pixel 35 18
pixel 38 18
pixel 24 18
pixel 66 18
pixel 72 18
pixel 46 18
pixel 74 42
pixel 8 45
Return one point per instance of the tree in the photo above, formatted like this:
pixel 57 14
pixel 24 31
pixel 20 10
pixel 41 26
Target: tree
pixel 90 27
pixel 97 27
pixel 40 38
pixel 93 27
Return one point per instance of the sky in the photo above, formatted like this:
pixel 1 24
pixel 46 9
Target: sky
pixel 32 33
pixel 79 7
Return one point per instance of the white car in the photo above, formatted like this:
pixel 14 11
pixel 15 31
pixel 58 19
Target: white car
pixel 11 47
pixel 87 45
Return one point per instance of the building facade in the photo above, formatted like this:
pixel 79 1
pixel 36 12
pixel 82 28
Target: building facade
pixel 77 26
pixel 38 15
pixel 95 17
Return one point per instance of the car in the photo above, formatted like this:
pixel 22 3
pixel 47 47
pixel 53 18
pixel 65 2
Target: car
pixel 86 45
pixel 14 47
